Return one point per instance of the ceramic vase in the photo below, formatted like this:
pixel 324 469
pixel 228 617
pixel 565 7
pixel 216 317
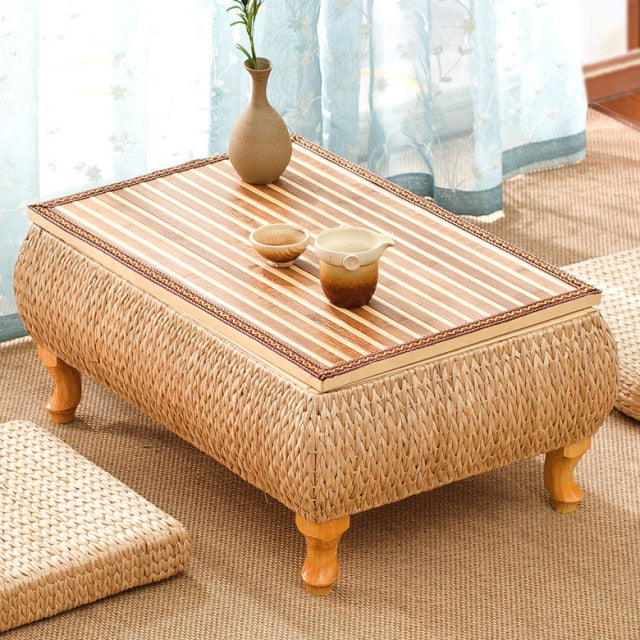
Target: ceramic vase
pixel 259 144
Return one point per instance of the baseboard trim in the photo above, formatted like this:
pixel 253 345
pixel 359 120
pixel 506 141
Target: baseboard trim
pixel 11 327
pixel 612 77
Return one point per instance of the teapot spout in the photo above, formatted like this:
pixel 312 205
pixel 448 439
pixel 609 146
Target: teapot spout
pixel 384 242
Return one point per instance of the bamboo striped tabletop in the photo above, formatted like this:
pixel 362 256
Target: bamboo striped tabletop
pixel 182 235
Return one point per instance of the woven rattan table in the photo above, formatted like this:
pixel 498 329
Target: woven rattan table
pixel 471 355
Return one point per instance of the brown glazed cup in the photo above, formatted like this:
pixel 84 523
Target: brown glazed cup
pixel 349 263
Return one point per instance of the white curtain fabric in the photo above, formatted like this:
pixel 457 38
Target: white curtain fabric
pixel 444 97
pixel 91 93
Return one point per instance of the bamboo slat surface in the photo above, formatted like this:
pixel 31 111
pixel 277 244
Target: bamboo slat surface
pixel 182 234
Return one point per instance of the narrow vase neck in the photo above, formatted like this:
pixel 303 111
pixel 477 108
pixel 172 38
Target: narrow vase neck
pixel 259 78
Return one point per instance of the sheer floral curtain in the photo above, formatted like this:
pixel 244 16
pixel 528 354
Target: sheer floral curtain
pixel 445 97
pixel 90 93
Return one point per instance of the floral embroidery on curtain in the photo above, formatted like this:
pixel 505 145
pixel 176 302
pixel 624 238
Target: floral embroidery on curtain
pixel 444 97
pixel 91 93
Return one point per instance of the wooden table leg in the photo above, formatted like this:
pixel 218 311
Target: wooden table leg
pixel 321 566
pixel 67 387
pixel 558 475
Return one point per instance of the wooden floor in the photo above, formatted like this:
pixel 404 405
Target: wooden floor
pixel 625 107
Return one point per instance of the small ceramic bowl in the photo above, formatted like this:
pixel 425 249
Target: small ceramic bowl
pixel 280 244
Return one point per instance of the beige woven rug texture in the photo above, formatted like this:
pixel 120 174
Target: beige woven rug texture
pixel 485 558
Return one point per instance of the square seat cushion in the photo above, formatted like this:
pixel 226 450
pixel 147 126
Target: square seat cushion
pixel 70 533
pixel 616 276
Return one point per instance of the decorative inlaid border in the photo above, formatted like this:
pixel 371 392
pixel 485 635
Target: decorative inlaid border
pixel 47 211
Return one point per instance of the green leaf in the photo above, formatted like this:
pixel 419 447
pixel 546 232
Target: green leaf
pixel 246 53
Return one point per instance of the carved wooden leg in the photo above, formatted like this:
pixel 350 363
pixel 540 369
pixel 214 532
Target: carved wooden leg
pixel 321 566
pixel 558 475
pixel 67 387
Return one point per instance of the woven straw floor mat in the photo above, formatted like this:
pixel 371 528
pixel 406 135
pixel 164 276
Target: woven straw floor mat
pixel 70 533
pixel 617 276
pixel 484 558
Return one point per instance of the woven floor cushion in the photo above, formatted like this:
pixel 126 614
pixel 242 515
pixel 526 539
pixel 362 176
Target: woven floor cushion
pixel 70 533
pixel 616 276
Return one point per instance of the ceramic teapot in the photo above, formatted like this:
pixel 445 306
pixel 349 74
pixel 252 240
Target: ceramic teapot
pixel 349 263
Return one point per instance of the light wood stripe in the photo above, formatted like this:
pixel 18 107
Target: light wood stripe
pixel 299 340
pixel 308 220
pixel 442 228
pixel 356 347
pixel 334 218
pixel 161 262
pixel 364 220
pixel 427 301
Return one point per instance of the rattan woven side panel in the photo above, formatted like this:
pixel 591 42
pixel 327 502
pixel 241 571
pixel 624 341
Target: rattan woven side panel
pixel 322 455
pixel 212 395
pixel 480 410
